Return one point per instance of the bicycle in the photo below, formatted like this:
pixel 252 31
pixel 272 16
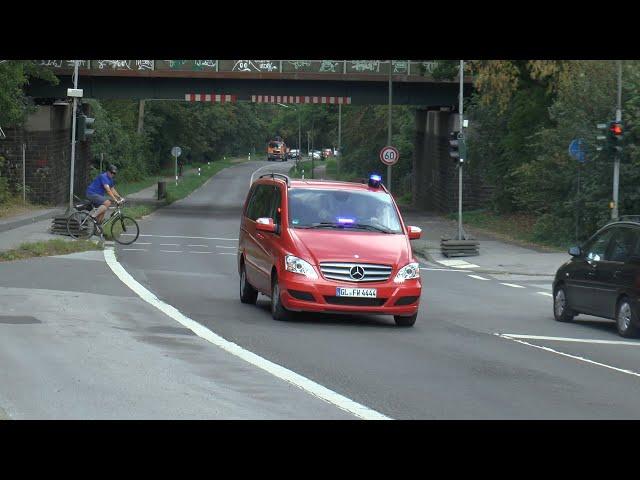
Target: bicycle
pixel 82 225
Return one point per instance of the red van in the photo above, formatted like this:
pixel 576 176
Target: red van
pixel 327 246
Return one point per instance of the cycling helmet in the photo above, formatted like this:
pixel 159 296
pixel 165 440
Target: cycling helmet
pixel 112 169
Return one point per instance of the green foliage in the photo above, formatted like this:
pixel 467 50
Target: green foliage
pixel 4 182
pixel 524 151
pixel 14 75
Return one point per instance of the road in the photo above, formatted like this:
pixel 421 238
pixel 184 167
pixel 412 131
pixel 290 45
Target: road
pixel 464 359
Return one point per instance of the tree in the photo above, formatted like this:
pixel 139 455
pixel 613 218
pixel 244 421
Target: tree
pixel 14 75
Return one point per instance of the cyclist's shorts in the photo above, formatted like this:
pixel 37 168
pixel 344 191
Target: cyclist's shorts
pixel 96 199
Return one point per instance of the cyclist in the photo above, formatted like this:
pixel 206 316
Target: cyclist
pixel 101 186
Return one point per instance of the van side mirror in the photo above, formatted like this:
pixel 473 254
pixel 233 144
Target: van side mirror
pixel 265 225
pixel 414 232
pixel 575 251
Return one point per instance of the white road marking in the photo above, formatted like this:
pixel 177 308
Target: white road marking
pixel 182 236
pixel 477 277
pixel 201 252
pixel 171 251
pixel 581 359
pixel 457 264
pixel 136 249
pixel 144 243
pixel 169 244
pixel 278 371
pixel 220 246
pixel 511 285
pixel 576 340
pixel 546 294
pixel 227 253
pixel 197 246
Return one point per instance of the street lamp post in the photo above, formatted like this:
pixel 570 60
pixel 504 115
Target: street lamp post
pixel 339 139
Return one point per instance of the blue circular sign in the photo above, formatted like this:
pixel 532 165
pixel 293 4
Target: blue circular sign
pixel 577 149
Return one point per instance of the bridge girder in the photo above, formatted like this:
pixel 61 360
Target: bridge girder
pixel 172 88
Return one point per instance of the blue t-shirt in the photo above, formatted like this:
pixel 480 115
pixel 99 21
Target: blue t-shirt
pixel 97 186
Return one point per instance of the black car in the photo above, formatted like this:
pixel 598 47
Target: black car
pixel 603 278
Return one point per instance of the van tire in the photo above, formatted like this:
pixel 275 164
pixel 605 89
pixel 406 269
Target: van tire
pixel 278 312
pixel 405 321
pixel 248 294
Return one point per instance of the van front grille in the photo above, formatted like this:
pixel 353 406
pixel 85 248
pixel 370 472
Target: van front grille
pixel 355 272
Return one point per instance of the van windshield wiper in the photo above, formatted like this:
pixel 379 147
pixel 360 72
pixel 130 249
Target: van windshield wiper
pixel 362 226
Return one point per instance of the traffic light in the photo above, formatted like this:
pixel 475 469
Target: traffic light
pixel 457 150
pixel 454 146
pixel 616 135
pixel 83 125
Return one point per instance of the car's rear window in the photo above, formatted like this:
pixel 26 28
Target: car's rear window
pixel 313 207
pixel 275 145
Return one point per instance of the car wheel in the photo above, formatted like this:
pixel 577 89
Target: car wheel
pixel 278 312
pixel 561 310
pixel 405 321
pixel 625 319
pixel 248 294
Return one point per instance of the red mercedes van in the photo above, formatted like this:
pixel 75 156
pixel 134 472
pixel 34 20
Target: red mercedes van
pixel 327 246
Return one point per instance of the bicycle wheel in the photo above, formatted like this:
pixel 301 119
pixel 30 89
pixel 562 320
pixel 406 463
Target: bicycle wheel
pixel 125 230
pixel 80 225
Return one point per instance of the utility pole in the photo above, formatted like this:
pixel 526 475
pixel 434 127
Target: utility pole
pixel 616 164
pixel 460 110
pixel 389 129
pixel 339 138
pixel 140 117
pixel 73 135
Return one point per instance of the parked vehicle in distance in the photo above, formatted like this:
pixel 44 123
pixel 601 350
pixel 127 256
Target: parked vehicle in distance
pixel 276 150
pixel 327 246
pixel 603 277
pixel 315 154
pixel 294 153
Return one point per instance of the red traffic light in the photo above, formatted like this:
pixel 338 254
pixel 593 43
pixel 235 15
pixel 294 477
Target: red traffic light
pixel 616 129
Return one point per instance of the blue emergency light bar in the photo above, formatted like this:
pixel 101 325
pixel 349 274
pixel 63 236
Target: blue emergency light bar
pixel 374 180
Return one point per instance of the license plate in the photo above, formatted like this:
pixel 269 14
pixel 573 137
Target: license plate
pixel 356 292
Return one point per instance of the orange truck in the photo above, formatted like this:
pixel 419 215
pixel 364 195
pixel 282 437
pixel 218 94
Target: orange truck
pixel 276 150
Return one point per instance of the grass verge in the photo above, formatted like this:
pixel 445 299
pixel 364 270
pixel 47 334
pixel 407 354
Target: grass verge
pixel 15 206
pixel 47 248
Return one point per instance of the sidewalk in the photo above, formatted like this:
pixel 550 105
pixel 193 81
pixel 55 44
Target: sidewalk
pixel 28 227
pixel 496 256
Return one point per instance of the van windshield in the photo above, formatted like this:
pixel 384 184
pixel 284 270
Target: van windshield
pixel 274 145
pixel 315 208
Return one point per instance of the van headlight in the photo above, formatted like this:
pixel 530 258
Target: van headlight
pixel 297 265
pixel 408 272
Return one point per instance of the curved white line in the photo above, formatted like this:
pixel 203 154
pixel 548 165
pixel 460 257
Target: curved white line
pixel 279 371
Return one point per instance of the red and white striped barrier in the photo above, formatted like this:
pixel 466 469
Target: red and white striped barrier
pixel 300 99
pixel 210 97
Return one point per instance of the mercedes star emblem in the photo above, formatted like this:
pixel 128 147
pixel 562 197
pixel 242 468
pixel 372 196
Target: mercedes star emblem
pixel 356 272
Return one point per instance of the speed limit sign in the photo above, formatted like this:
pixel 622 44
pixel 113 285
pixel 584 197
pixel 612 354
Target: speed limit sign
pixel 389 155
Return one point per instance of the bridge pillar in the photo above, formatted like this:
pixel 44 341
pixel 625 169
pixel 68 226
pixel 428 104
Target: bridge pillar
pixel 435 176
pixel 46 135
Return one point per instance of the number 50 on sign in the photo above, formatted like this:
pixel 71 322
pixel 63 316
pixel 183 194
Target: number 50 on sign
pixel 389 155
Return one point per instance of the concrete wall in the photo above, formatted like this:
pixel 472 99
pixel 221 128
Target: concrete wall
pixel 435 186
pixel 47 136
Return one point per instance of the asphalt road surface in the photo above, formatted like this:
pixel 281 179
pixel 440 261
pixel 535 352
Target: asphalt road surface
pixel 482 347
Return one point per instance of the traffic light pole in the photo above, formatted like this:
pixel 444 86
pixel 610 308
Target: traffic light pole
pixel 616 164
pixel 73 135
pixel 389 126
pixel 460 107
